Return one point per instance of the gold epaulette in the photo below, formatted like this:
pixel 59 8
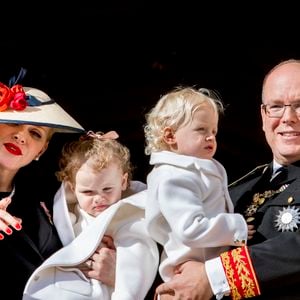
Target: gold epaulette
pixel 264 167
pixel 240 274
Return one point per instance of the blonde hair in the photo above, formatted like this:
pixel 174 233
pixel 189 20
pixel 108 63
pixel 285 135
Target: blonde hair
pixel 101 150
pixel 176 109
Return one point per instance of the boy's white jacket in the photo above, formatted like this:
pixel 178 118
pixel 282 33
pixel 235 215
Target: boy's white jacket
pixel 137 255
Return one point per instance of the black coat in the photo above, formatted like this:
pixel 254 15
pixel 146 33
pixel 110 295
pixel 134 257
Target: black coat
pixel 275 254
pixel 23 251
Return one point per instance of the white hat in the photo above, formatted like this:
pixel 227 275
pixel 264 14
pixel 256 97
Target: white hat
pixel 41 110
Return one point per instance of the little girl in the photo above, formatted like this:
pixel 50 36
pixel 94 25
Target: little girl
pixel 96 171
pixel 97 199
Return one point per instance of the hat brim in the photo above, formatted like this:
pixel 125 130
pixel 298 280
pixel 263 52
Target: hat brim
pixel 49 114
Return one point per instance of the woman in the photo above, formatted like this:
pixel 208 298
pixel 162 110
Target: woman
pixel 28 119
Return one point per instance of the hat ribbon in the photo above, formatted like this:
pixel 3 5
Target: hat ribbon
pixel 110 135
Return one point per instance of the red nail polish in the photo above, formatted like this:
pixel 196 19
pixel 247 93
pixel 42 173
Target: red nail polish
pixel 1 236
pixel 18 226
pixel 8 231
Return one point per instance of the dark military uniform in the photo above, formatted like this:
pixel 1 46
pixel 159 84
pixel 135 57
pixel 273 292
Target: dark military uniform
pixel 274 252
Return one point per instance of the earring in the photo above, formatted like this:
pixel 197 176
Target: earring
pixel 37 158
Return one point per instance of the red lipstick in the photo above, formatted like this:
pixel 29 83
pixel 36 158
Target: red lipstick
pixel 13 149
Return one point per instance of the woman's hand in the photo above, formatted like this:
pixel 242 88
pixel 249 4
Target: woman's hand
pixel 102 264
pixel 7 220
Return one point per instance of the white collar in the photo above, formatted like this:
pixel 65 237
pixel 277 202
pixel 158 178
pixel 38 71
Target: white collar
pixel 276 166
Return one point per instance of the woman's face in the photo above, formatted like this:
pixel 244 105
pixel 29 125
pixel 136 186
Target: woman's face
pixel 21 143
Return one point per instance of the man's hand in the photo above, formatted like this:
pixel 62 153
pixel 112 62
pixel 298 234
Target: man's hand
pixel 189 283
pixel 251 231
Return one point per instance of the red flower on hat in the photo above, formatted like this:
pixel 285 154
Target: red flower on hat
pixel 13 97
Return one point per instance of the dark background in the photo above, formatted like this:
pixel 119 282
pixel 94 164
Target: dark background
pixel 107 63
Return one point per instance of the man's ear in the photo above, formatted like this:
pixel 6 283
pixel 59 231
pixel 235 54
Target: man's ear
pixel 169 136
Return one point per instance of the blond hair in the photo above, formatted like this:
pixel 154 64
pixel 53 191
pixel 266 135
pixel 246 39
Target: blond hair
pixel 176 109
pixel 102 151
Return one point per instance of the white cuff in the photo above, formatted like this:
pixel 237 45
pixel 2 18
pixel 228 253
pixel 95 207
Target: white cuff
pixel 217 278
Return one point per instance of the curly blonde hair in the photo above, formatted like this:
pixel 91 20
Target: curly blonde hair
pixel 102 152
pixel 176 109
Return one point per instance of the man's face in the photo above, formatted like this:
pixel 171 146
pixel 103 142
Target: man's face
pixel 282 87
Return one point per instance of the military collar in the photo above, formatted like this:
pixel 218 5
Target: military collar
pixel 257 171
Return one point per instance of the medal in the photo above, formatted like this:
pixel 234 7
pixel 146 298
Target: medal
pixel 259 199
pixel 287 219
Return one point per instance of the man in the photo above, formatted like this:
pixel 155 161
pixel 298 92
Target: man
pixel 269 199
